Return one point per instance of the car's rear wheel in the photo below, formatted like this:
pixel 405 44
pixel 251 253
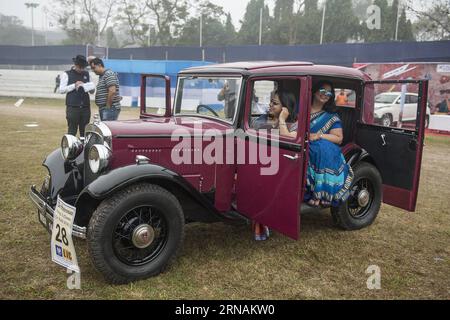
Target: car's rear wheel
pixel 363 205
pixel 135 233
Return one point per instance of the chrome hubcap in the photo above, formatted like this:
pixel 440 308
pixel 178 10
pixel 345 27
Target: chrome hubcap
pixel 143 236
pixel 363 198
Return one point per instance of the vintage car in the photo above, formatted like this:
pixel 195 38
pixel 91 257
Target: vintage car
pixel 136 183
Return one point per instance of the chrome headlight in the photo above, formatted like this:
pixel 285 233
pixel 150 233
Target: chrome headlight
pixel 99 157
pixel 71 147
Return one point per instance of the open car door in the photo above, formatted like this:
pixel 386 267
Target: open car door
pixel 271 194
pixel 397 149
pixel 155 95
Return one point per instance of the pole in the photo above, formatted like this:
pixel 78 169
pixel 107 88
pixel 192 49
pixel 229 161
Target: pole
pixel 398 20
pixel 260 25
pixel 201 31
pixel 46 26
pixel 149 35
pixel 323 21
pixel 32 6
pixel 32 26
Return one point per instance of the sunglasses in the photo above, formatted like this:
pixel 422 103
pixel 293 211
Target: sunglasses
pixel 325 92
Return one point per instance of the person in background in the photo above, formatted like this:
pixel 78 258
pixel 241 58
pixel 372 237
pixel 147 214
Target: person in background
pixel 107 95
pixel 57 83
pixel 75 83
pixel 228 94
pixel 342 98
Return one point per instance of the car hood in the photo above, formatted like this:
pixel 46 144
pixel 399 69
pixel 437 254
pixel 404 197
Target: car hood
pixel 165 126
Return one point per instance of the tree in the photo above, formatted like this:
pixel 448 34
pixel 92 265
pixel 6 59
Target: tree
pixel 341 24
pixel 405 29
pixel 12 32
pixel 309 23
pixel 249 32
pixel 214 31
pixel 433 22
pixel 131 15
pixel 230 31
pixel 85 21
pixel 170 17
pixel 111 39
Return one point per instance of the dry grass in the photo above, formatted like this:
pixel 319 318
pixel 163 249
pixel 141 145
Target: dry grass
pixel 220 261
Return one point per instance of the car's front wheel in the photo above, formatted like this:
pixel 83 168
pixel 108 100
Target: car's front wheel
pixel 363 205
pixel 135 233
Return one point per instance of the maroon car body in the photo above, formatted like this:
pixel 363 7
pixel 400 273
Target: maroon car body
pixel 388 160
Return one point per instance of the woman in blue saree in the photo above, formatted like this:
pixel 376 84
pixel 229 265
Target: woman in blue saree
pixel 329 177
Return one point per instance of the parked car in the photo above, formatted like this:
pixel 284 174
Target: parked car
pixel 133 194
pixel 388 108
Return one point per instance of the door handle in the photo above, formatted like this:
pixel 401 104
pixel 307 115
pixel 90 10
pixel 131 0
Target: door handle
pixel 383 137
pixel 291 157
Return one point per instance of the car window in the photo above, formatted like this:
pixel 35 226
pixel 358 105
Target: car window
pixel 267 104
pixel 413 99
pixel 345 97
pixel 212 96
pixel 388 108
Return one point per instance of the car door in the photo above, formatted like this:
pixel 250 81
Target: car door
pixel 396 152
pixel 273 197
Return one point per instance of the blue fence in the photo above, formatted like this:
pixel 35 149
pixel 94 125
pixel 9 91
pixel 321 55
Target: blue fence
pixel 129 73
pixel 335 54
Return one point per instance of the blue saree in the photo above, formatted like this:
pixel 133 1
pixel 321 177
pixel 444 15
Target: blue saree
pixel 328 175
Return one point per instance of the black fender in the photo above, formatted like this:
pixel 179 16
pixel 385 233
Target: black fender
pixel 196 206
pixel 66 176
pixel 357 155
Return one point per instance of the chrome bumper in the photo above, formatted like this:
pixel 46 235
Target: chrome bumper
pixel 45 214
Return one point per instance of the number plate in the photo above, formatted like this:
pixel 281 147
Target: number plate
pixel 62 248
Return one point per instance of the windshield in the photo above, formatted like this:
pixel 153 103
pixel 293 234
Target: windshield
pixel 211 96
pixel 386 98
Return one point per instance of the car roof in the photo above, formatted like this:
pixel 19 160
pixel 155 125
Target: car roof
pixel 277 67
pixel 398 93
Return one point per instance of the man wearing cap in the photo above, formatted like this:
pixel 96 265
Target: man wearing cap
pixel 75 83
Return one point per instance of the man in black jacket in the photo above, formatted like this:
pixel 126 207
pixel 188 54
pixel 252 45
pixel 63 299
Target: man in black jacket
pixel 75 83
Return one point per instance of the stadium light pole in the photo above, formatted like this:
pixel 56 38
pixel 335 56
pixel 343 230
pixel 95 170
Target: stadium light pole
pixel 32 6
pixel 260 25
pixel 201 30
pixel 398 20
pixel 323 21
pixel 45 10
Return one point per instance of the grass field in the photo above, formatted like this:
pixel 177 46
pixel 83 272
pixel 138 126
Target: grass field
pixel 220 261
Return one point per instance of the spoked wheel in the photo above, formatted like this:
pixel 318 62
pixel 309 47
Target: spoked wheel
pixel 361 198
pixel 364 202
pixel 140 236
pixel 135 233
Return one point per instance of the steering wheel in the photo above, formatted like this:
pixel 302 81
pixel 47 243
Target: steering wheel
pixel 200 106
